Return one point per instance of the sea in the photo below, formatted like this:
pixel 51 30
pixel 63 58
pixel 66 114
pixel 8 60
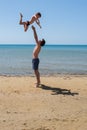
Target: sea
pixel 16 60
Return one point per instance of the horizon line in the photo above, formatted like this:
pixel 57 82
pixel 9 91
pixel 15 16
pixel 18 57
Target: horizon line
pixel 34 44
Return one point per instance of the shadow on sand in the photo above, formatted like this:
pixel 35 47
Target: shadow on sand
pixel 57 91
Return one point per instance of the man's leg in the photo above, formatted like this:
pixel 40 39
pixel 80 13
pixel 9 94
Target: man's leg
pixel 37 74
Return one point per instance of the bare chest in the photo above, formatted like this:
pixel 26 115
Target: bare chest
pixel 36 51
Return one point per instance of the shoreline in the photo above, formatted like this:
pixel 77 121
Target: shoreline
pixel 47 75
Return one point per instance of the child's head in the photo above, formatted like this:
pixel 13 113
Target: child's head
pixel 38 14
pixel 42 42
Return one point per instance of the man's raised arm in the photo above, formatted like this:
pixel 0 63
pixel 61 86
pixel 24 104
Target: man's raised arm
pixel 35 34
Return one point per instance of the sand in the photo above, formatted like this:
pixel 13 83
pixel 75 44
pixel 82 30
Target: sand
pixel 59 104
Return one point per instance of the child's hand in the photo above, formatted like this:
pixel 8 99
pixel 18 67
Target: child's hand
pixel 40 26
pixel 33 27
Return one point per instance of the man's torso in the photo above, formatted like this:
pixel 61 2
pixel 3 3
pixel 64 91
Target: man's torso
pixel 36 51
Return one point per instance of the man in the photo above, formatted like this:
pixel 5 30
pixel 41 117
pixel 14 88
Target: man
pixel 36 51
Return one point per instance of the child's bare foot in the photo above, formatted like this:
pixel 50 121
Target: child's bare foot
pixel 20 22
pixel 21 15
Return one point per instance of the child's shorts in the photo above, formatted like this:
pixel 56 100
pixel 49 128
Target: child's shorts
pixel 35 63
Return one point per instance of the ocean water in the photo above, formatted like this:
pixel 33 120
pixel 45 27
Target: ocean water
pixel 16 60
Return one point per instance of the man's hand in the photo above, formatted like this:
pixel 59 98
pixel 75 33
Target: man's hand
pixel 33 27
pixel 35 34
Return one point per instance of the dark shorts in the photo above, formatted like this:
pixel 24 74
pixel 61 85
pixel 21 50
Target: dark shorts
pixel 35 63
pixel 27 23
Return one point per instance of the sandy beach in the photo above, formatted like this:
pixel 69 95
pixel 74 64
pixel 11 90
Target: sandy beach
pixel 60 103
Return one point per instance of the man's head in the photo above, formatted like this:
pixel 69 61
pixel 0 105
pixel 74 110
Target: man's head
pixel 42 42
pixel 38 14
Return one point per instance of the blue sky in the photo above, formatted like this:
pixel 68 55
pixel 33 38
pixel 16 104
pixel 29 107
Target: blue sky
pixel 63 21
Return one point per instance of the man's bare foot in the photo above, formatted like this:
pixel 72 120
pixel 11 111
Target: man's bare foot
pixel 37 85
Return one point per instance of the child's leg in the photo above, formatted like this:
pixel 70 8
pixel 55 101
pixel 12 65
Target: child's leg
pixel 23 23
pixel 26 25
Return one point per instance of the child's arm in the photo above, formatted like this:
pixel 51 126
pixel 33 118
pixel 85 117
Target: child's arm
pixel 35 34
pixel 38 22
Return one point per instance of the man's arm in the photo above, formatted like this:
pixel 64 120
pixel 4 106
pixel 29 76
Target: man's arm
pixel 35 34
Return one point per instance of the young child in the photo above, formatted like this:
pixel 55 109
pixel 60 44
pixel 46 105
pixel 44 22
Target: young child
pixel 35 18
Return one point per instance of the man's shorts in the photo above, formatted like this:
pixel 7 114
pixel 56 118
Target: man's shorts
pixel 35 63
